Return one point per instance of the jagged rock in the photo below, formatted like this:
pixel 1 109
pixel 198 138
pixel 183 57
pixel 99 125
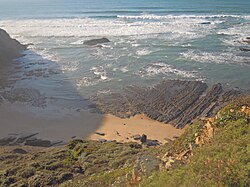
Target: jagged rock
pixel 7 140
pixel 9 48
pixel 143 138
pixel 172 101
pixel 96 41
pixel 22 138
pixel 27 139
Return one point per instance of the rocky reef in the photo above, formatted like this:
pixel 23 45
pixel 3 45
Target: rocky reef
pixel 175 102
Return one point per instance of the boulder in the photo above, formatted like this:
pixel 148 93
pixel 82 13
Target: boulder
pixel 143 138
pixel 96 41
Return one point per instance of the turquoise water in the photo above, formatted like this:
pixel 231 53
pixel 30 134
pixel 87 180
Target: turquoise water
pixel 150 40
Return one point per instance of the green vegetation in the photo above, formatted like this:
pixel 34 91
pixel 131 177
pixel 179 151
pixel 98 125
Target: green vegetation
pixel 224 161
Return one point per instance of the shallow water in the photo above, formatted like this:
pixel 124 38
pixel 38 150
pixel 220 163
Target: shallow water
pixel 150 41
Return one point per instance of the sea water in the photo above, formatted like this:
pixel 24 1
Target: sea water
pixel 150 41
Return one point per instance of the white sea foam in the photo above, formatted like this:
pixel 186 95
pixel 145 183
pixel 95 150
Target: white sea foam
pixel 236 34
pixel 100 73
pixel 157 17
pixel 162 68
pixel 86 27
pixel 143 52
pixel 85 81
pixel 215 57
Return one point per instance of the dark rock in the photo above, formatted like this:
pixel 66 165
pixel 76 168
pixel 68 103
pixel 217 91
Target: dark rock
pixel 100 133
pixel 22 138
pixel 7 140
pixel 152 143
pixel 9 48
pixel 143 138
pixel 96 41
pixel 244 49
pixel 206 23
pixel 102 140
pixel 19 151
pixel 38 142
pixel 136 137
pixel 172 101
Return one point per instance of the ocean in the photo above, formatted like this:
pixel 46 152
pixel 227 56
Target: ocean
pixel 150 41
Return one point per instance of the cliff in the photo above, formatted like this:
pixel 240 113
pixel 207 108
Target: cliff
pixel 9 48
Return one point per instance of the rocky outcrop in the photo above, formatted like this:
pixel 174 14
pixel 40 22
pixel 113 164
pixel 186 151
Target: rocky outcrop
pixel 9 48
pixel 172 101
pixel 96 41
pixel 27 139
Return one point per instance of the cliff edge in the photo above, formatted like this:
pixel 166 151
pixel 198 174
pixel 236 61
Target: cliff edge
pixel 9 48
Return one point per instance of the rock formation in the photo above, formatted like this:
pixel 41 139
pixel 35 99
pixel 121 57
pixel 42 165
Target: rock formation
pixel 96 41
pixel 172 101
pixel 9 48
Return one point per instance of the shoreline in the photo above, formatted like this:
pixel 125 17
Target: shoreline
pixel 19 121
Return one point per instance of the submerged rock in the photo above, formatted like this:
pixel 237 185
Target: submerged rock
pixel 206 23
pixel 96 41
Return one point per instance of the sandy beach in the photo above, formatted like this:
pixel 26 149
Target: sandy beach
pixel 50 124
pixel 123 130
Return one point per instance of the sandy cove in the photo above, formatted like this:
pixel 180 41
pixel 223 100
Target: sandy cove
pixel 122 130
pixel 47 124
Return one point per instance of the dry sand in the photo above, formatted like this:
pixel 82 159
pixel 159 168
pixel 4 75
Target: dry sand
pixel 123 129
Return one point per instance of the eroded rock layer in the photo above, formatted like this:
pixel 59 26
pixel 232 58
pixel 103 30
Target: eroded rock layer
pixel 172 101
